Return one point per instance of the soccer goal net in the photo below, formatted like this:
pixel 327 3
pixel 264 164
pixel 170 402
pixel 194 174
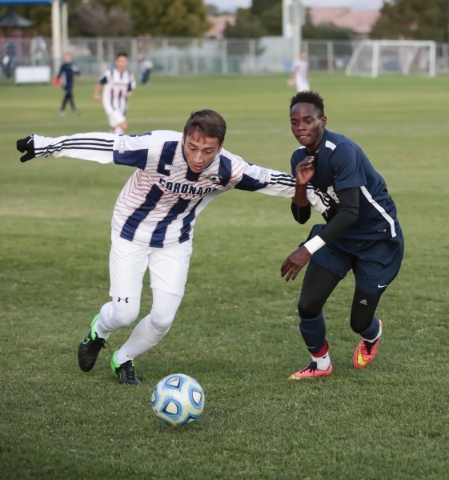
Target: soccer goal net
pixel 377 57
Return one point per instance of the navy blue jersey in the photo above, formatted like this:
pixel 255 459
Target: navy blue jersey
pixel 339 164
pixel 67 72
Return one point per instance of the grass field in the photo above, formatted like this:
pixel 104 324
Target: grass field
pixel 236 331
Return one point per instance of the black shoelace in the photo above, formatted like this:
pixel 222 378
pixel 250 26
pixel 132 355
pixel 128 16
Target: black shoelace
pixel 312 366
pixel 129 371
pixel 369 346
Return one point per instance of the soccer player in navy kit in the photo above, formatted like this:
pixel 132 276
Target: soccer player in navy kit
pixel 67 74
pixel 176 176
pixel 362 234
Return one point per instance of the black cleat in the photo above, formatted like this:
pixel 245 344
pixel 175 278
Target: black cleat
pixel 90 347
pixel 125 372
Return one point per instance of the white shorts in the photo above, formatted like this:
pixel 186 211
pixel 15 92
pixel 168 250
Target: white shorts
pixel 302 85
pixel 115 117
pixel 128 263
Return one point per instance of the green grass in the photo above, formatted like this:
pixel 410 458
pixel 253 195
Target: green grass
pixel 236 331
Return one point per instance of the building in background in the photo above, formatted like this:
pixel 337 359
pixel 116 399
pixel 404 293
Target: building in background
pixel 219 23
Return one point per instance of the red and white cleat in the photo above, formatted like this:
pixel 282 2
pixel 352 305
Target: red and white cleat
pixel 365 352
pixel 310 371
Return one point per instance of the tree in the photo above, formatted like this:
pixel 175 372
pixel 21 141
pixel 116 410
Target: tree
pixel 173 18
pixel 40 15
pixel 212 9
pixel 264 17
pixel 246 26
pixel 96 20
pixel 259 6
pixel 323 31
pixel 271 20
pixel 413 20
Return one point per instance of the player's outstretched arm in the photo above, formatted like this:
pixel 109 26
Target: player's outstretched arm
pixel 96 147
pixel 264 180
pixel 272 182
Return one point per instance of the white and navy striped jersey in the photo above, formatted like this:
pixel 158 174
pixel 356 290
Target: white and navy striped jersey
pixel 159 203
pixel 115 87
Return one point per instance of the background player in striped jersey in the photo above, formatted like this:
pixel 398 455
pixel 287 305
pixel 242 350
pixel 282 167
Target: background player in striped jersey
pixel 363 234
pixel 118 85
pixel 152 226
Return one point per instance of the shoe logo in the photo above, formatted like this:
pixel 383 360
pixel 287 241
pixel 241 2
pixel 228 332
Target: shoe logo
pixel 124 299
pixel 360 360
pixel 363 302
pixel 382 286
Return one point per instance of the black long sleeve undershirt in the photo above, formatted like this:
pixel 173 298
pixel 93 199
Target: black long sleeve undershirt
pixel 347 214
pixel 301 214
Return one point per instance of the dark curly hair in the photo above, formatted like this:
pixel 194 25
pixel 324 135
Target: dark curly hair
pixel 309 97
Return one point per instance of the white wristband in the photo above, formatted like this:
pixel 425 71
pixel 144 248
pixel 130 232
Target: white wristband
pixel 314 244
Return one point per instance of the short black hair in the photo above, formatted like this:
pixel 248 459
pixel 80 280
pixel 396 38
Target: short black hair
pixel 309 97
pixel 121 54
pixel 207 123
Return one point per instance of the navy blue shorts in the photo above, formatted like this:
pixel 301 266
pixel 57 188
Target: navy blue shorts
pixel 375 263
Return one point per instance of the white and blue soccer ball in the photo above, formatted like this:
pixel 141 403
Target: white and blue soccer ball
pixel 177 400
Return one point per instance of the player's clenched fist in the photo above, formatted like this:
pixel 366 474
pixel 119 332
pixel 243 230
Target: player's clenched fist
pixel 305 170
pixel 26 145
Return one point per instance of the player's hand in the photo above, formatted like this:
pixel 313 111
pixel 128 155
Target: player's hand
pixel 295 263
pixel 305 171
pixel 26 145
pixel 97 97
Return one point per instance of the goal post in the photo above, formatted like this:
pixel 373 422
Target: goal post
pixel 378 57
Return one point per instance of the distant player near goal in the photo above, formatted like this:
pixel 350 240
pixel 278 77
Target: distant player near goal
pixel 362 234
pixel 300 73
pixel 118 86
pixel 177 176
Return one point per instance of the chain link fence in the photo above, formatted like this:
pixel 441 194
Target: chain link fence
pixel 184 56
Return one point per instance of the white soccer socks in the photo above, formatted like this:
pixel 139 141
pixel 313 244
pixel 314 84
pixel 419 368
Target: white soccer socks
pixel 152 328
pixel 323 362
pixel 119 313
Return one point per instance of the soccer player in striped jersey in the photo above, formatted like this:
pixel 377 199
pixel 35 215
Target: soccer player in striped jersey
pixel 177 175
pixel 362 234
pixel 118 85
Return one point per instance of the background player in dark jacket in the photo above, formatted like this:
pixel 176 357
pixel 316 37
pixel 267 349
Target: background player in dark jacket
pixel 362 234
pixel 67 73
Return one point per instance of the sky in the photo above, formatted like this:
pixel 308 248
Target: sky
pixel 232 5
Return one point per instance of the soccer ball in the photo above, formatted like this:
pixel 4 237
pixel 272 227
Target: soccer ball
pixel 177 400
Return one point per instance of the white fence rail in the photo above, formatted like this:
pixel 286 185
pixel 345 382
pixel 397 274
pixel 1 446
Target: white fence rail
pixel 178 56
